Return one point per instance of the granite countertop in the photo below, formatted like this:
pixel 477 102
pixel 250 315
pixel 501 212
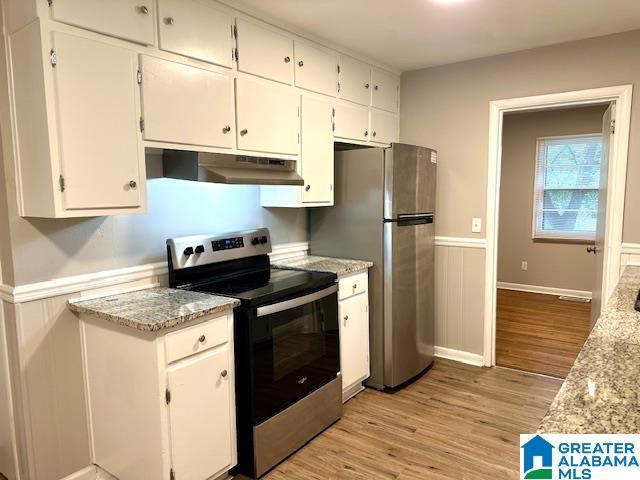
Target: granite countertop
pixel 311 263
pixel 602 391
pixel 153 309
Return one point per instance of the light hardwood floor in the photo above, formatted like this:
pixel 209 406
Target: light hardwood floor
pixel 455 422
pixel 539 333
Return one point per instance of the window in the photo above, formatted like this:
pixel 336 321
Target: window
pixel 566 189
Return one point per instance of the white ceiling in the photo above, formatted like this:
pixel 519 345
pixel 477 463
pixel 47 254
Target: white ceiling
pixel 410 34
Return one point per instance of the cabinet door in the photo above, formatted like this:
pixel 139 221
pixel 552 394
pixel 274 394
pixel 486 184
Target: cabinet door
pixel 354 339
pixel 185 104
pixel 352 122
pixel 355 81
pixel 385 90
pixel 384 126
pixel 95 93
pixel 267 116
pixel 317 150
pixel 264 52
pixel 200 415
pixel 128 19
pixel 316 69
pixel 195 29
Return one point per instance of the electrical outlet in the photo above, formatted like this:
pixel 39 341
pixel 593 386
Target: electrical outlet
pixel 476 225
pixel 524 266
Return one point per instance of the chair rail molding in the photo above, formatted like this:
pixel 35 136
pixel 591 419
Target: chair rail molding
pixel 630 255
pixel 464 242
pixel 109 282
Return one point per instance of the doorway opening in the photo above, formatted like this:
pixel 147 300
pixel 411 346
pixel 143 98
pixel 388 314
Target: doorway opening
pixel 576 202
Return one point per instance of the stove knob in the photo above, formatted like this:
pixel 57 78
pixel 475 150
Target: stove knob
pixel 200 249
pixel 188 251
pixel 264 239
pixel 255 241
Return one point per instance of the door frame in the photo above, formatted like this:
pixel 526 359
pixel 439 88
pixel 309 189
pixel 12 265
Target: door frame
pixel 622 96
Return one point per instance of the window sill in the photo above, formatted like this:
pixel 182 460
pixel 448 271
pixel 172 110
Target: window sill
pixel 568 240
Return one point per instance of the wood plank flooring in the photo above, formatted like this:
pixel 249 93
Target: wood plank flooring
pixel 539 333
pixel 455 422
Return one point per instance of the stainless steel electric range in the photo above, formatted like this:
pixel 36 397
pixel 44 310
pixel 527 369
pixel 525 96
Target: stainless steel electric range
pixel 287 352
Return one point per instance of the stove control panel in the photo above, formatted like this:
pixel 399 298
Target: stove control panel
pixel 199 250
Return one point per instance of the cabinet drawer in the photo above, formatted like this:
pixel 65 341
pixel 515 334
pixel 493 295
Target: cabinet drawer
pixel 197 338
pixel 196 30
pixel 186 105
pixel 353 285
pixel 385 90
pixel 384 126
pixel 355 81
pixel 128 19
pixel 264 52
pixel 316 69
pixel 352 122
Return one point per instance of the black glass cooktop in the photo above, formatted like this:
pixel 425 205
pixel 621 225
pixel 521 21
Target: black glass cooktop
pixel 268 286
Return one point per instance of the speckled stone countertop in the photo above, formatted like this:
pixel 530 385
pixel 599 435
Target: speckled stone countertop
pixel 602 391
pixel 311 263
pixel 154 309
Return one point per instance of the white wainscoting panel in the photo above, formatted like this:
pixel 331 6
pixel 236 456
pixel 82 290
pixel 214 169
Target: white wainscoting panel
pixel 630 255
pixel 460 299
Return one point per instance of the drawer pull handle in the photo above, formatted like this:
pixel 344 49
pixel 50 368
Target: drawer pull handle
pixel 143 9
pixel 224 373
pixel 202 339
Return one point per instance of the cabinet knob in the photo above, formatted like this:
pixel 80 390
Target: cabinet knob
pixel 366 133
pixel 287 59
pixel 226 129
pixel 244 131
pixel 169 21
pixel 373 134
pixel 375 87
pixel 202 339
pixel 143 9
pixel 355 285
pixel 301 63
pixel 346 318
pixel 133 184
pixel 366 85
pixel 224 373
pixel 307 188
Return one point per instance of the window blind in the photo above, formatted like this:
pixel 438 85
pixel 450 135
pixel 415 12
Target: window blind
pixel 567 186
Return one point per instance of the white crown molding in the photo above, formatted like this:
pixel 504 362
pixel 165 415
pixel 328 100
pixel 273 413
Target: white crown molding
pixel 458 356
pixel 120 276
pixel 463 242
pixel 544 290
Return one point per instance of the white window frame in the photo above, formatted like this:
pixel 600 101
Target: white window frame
pixel 537 233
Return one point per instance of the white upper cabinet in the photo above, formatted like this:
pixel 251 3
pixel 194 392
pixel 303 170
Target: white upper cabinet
pixel 196 29
pixel 100 153
pixel 384 126
pixel 385 90
pixel 316 69
pixel 352 122
pixel 317 151
pixel 185 104
pixel 128 19
pixel 200 416
pixel 264 52
pixel 355 81
pixel 267 117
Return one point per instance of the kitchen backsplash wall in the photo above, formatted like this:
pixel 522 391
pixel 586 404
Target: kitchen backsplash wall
pixel 44 249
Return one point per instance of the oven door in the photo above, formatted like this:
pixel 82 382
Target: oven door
pixel 295 350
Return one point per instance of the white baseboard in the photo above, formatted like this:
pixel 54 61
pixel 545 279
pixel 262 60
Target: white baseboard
pixel 134 277
pixel 459 356
pixel 87 473
pixel 544 290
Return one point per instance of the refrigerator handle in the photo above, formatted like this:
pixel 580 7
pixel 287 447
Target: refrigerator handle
pixel 407 219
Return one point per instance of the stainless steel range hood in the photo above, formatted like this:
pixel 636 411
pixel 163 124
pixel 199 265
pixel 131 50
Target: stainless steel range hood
pixel 230 169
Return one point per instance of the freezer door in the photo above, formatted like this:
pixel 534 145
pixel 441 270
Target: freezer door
pixel 409 316
pixel 410 180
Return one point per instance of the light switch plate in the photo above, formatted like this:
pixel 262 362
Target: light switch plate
pixel 476 225
pixel 524 266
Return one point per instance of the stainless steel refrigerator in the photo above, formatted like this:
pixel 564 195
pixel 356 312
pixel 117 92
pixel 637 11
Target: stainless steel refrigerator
pixel 384 212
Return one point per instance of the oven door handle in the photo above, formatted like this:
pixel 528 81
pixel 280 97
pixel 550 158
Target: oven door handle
pixel 296 302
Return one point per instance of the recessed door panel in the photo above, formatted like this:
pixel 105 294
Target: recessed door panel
pixel 264 52
pixel 385 90
pixel 355 81
pixel 352 122
pixel 384 126
pixel 317 151
pixel 316 69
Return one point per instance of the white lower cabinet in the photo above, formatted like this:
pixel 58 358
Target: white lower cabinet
pixel 161 406
pixel 353 312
